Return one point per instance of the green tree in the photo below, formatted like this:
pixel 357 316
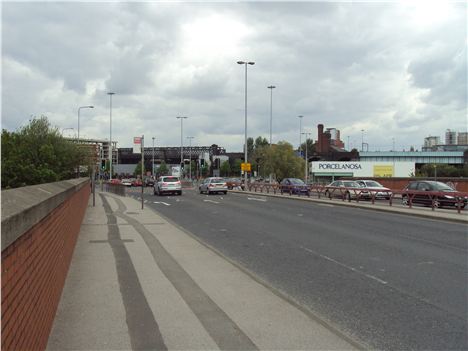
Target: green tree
pixel 236 167
pixel 37 153
pixel 282 161
pixel 310 147
pixel 137 171
pixel 439 170
pixel 225 169
pixel 260 142
pixel 162 170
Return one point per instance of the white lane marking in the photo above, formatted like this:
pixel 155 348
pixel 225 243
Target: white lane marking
pixel 300 215
pixel 346 266
pixel 426 262
pixel 215 202
pixel 256 199
pixel 160 202
pixel 145 201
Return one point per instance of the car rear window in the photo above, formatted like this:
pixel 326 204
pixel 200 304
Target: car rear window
pixel 170 179
pixel 217 180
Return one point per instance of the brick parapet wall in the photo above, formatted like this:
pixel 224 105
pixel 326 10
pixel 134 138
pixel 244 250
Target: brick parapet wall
pixel 35 265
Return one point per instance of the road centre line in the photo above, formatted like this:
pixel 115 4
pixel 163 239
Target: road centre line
pixel 346 266
pixel 160 202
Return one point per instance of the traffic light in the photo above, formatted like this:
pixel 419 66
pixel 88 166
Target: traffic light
pixel 202 162
pixel 181 165
pixel 103 164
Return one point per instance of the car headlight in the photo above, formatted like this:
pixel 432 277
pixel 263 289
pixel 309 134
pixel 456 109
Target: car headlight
pixel 449 197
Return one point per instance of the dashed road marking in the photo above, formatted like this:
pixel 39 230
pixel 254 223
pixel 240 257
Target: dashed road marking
pixel 256 199
pixel 215 202
pixel 160 202
pixel 347 267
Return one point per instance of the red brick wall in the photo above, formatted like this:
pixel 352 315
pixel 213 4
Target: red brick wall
pixel 34 269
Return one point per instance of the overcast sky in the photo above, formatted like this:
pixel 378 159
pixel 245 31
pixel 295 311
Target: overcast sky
pixel 394 70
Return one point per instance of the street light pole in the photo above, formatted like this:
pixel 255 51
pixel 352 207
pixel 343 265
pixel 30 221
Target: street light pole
pixel 152 169
pixel 300 133
pixel 362 140
pixel 306 158
pixel 110 132
pixel 271 87
pixel 245 63
pixel 181 142
pixel 190 161
pixel 79 108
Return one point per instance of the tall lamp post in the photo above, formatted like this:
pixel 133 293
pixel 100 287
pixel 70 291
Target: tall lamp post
pixel 245 63
pixel 64 129
pixel 79 108
pixel 190 162
pixel 300 133
pixel 152 169
pixel 362 140
pixel 110 138
pixel 271 87
pixel 181 141
pixel 306 158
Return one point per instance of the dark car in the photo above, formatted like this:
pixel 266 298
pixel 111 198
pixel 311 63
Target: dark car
pixel 425 192
pixel 294 186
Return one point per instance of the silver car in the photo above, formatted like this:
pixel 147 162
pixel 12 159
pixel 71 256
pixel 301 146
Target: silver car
pixel 376 189
pixel 168 184
pixel 213 185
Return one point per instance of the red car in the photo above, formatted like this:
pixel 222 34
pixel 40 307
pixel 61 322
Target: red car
pixel 137 182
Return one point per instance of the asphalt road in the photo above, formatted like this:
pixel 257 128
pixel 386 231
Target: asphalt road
pixel 386 280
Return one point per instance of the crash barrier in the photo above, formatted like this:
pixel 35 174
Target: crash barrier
pixel 114 188
pixel 434 199
pixel 40 226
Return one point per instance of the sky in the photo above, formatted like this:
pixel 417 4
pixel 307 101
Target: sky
pixel 382 72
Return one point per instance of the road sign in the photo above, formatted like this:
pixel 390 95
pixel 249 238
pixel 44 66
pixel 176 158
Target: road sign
pixel 245 167
pixel 137 145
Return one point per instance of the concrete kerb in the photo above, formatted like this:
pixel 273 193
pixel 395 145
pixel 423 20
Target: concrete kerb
pixel 455 217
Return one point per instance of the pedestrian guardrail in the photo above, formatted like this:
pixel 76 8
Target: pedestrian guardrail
pixel 114 188
pixel 434 199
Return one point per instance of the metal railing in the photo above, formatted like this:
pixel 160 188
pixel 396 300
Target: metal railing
pixel 434 199
pixel 114 188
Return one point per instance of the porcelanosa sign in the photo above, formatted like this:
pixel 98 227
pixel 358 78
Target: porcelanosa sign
pixel 339 166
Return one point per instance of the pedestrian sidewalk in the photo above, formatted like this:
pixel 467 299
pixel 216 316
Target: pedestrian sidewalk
pixel 139 282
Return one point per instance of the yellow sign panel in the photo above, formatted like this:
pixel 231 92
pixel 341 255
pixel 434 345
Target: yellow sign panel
pixel 245 167
pixel 383 171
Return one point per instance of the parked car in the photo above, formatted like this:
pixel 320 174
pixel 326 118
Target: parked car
pixel 137 182
pixel 126 182
pixel 115 181
pixel 234 183
pixel 417 190
pixel 294 186
pixel 149 181
pixel 351 190
pixel 376 189
pixel 168 184
pixel 213 185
